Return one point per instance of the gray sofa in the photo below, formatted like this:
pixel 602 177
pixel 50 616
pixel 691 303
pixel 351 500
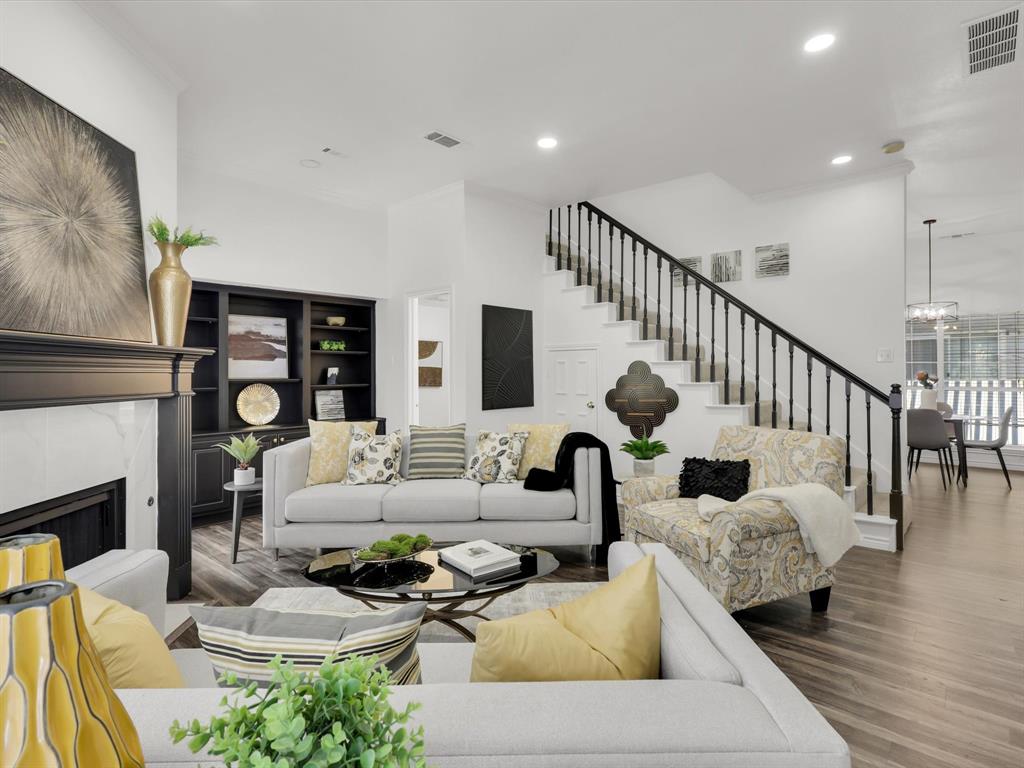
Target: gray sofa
pixel 339 515
pixel 720 702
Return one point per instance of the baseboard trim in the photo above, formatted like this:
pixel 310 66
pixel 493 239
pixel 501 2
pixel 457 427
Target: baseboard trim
pixel 876 531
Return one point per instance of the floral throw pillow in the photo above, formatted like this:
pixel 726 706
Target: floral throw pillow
pixel 374 459
pixel 497 457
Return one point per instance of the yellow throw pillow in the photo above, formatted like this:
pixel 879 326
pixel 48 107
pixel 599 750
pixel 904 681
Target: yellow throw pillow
pixel 132 651
pixel 612 633
pixel 328 452
pixel 541 445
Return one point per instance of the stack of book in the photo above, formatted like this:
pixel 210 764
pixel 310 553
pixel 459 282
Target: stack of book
pixel 480 558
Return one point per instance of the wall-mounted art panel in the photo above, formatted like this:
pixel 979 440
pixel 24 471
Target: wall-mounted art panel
pixel 507 358
pixel 641 400
pixel 71 255
pixel 727 266
pixel 431 368
pixel 771 260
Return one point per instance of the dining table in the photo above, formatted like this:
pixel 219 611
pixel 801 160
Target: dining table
pixel 957 423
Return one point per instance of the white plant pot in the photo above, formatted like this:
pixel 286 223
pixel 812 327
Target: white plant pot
pixel 643 467
pixel 245 476
pixel 929 397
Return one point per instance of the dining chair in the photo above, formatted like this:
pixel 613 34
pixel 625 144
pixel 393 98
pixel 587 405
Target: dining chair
pixel 947 410
pixel 926 431
pixel 997 444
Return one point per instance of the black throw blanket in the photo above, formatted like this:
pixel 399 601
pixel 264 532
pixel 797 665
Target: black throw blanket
pixel 562 477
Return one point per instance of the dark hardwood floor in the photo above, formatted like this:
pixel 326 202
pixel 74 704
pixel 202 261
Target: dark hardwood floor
pixel 919 662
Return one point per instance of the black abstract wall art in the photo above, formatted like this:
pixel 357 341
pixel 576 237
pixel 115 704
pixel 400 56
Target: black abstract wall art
pixel 71 253
pixel 507 358
pixel 641 400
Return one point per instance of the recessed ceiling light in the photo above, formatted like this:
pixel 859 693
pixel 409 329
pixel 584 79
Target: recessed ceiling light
pixel 819 43
pixel 308 163
pixel 841 159
pixel 547 142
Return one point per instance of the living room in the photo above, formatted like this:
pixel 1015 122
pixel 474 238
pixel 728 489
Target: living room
pixel 654 309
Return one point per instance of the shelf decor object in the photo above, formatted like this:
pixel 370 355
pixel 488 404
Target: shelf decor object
pixel 29 557
pixel 336 320
pixel 170 286
pixel 258 404
pixel 330 405
pixel 332 345
pixel 58 707
pixel 65 272
pixel 930 310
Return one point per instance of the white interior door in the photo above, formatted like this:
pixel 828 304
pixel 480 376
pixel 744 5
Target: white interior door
pixel 571 381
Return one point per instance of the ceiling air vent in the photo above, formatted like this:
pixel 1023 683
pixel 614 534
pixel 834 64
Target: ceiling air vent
pixel 992 41
pixel 443 139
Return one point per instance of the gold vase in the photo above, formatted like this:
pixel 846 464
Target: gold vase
pixel 57 709
pixel 29 557
pixel 170 289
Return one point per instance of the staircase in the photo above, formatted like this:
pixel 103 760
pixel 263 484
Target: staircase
pixel 716 350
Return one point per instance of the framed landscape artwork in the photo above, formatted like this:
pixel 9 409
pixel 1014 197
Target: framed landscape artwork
pixel 72 259
pixel 507 358
pixel 257 347
pixel 771 260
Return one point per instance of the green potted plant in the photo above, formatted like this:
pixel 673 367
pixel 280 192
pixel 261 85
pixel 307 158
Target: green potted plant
pixel 644 451
pixel 243 451
pixel 335 717
pixel 170 286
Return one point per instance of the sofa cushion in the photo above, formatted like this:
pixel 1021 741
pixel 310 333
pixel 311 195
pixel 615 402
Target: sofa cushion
pixel 675 522
pixel 336 503
pixel 511 501
pixel 433 501
pixel 435 452
pixel 497 457
pixel 374 459
pixel 541 446
pixel 328 453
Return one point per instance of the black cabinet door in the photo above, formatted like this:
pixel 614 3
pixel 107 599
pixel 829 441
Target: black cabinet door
pixel 210 470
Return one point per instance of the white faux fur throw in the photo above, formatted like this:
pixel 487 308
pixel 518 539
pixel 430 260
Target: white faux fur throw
pixel 826 525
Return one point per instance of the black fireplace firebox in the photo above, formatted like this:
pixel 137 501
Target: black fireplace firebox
pixel 88 522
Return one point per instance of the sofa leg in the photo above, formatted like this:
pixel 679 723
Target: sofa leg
pixel 819 599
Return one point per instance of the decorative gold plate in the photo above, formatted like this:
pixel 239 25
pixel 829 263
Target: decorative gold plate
pixel 258 404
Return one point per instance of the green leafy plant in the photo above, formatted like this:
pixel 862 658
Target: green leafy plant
pixel 399 545
pixel 243 451
pixel 162 234
pixel 334 717
pixel 644 449
pixel 332 345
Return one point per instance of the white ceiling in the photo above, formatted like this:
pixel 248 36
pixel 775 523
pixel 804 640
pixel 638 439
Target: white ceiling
pixel 636 93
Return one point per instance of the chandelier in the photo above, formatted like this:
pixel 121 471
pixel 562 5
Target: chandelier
pixel 932 310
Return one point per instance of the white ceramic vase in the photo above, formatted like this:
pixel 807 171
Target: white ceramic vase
pixel 245 476
pixel 643 467
pixel 929 397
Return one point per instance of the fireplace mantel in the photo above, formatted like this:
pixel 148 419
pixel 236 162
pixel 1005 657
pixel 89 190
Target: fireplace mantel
pixel 40 370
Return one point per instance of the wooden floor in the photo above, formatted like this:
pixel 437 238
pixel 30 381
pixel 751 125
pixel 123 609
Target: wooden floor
pixel 918 663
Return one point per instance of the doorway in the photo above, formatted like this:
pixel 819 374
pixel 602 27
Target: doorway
pixel 571 382
pixel 430 354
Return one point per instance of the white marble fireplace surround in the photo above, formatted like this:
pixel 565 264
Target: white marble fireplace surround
pixel 48 452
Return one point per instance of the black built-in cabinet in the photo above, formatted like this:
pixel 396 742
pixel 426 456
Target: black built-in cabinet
pixel 214 415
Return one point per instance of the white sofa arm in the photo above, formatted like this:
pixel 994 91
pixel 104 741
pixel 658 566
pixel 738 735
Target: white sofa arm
pixel 284 472
pixel 136 578
pixel 587 489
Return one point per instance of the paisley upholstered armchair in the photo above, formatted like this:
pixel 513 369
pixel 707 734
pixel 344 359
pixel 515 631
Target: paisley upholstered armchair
pixel 751 552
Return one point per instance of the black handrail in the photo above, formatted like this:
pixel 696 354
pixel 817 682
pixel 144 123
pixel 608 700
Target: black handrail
pixel 714 287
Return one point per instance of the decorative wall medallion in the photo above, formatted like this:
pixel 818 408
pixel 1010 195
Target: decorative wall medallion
pixel 507 358
pixel 71 255
pixel 641 399
pixel 258 404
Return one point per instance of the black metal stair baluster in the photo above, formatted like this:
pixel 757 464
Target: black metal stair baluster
pixel 712 377
pixel 757 372
pixel 657 325
pixel 791 385
pixel 568 238
pixel 598 259
pixel 743 357
pixel 645 293
pixel 725 323
pixel 579 244
pixel 558 246
pixel 828 400
pixel 696 313
pixel 809 365
pixel 775 382
pixel 847 431
pixel 871 473
pixel 610 294
pixel 896 489
pixel 671 315
pixel 633 240
pixel 590 265
pixel 622 275
pixel 551 215
pixel 686 332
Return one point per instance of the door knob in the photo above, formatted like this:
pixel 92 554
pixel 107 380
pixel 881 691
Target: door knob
pixel 590 404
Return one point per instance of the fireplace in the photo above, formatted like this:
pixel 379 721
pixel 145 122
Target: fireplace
pixel 88 522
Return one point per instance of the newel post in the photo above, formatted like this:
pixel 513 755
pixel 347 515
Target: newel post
pixel 896 492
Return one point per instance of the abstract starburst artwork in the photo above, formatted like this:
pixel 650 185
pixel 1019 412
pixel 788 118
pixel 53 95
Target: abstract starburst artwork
pixel 71 253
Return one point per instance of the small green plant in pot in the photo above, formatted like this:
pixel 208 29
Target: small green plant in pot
pixel 644 451
pixel 243 451
pixel 335 717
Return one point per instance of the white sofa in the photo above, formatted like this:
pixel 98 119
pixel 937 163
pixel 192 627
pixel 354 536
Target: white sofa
pixel 339 515
pixel 721 702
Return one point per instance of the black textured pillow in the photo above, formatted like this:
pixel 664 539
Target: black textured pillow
pixel 725 479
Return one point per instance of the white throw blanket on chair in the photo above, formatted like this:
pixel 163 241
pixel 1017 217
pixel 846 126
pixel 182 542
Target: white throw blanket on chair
pixel 826 525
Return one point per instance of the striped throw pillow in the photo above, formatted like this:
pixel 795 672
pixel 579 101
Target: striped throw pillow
pixel 437 452
pixel 244 640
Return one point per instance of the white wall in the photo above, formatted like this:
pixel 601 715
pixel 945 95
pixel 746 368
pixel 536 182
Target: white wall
pixel 433 323
pixel 279 240
pixel 59 49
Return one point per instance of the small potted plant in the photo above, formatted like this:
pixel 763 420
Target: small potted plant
pixel 929 397
pixel 644 451
pixel 243 451
pixel 337 716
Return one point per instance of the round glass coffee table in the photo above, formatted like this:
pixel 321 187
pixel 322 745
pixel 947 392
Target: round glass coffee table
pixel 424 578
